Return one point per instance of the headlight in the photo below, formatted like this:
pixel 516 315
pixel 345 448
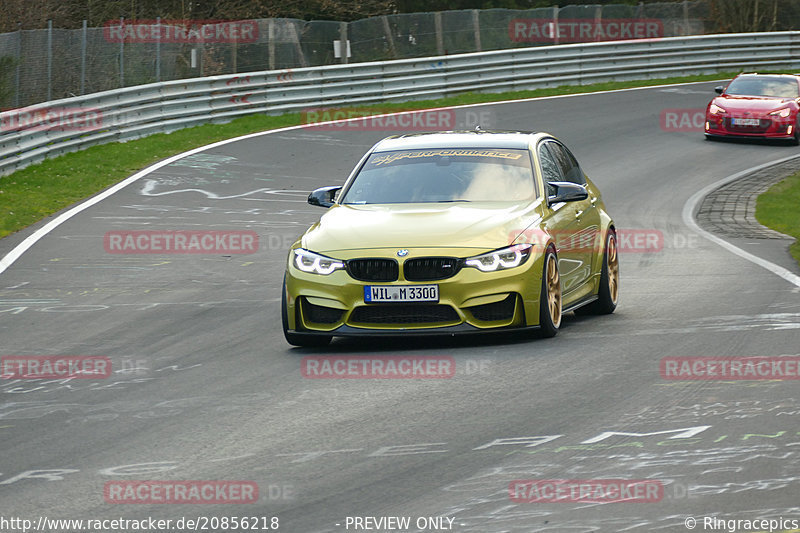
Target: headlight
pixel 714 109
pixel 510 257
pixel 783 113
pixel 315 263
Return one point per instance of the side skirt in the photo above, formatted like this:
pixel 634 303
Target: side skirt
pixel 580 303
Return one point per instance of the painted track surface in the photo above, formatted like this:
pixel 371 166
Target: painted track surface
pixel 206 388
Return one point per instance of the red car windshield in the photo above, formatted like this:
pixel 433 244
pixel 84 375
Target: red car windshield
pixel 774 86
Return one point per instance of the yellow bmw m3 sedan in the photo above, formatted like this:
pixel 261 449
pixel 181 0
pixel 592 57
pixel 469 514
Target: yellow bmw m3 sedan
pixel 452 232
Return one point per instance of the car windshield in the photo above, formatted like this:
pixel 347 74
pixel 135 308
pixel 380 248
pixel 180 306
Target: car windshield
pixel 443 175
pixel 764 86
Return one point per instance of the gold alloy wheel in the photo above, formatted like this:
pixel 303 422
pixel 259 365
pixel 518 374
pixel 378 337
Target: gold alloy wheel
pixel 553 290
pixel 612 268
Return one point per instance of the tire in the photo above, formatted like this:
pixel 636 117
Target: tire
pixel 608 293
pixel 299 339
pixel 550 297
pixel 796 140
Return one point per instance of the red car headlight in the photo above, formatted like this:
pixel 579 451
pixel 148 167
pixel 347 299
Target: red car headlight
pixel 783 113
pixel 714 109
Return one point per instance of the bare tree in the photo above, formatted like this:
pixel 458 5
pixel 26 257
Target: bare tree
pixel 744 15
pixel 32 14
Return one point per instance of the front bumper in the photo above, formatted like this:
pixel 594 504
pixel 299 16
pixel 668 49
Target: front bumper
pixel 471 301
pixel 768 127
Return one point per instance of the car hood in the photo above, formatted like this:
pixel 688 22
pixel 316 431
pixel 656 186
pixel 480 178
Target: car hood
pixel 485 226
pixel 753 104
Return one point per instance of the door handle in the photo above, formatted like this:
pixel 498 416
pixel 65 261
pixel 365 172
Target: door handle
pixel 594 200
pixel 578 214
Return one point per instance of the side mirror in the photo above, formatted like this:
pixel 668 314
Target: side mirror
pixel 566 191
pixel 718 89
pixel 323 197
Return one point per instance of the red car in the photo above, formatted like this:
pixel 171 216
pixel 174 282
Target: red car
pixel 756 105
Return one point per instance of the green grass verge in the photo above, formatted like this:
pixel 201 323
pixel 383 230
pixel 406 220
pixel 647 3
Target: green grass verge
pixel 37 191
pixel 779 208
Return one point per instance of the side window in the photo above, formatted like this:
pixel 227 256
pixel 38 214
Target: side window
pixel 550 170
pixel 567 163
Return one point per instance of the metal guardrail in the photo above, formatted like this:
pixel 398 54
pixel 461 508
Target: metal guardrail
pixel 133 112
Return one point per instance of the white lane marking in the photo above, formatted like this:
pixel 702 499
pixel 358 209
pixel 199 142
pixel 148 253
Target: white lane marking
pixel 149 185
pixel 692 204
pixel 33 238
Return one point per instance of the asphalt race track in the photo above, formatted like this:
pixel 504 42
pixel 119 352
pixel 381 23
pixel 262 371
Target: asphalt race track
pixel 204 386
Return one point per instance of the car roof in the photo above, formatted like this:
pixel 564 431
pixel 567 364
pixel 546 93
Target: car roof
pixel 460 139
pixel 754 74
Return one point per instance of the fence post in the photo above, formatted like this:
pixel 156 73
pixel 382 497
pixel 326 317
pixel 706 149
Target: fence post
pixel 49 60
pixel 83 56
pixel 437 22
pixel 17 81
pixel 201 51
pixel 686 17
pixel 389 37
pixel 598 18
pixel 555 25
pixel 343 41
pixel 234 51
pixel 122 54
pixel 774 16
pixel 476 28
pixel 158 49
pixel 271 43
pixel 296 39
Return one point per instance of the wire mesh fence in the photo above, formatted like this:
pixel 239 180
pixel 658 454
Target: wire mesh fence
pixel 52 63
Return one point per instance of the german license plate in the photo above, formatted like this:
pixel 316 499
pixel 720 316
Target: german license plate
pixel 401 293
pixel 746 121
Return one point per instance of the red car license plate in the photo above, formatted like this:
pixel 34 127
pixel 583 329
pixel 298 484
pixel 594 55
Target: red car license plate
pixel 746 122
